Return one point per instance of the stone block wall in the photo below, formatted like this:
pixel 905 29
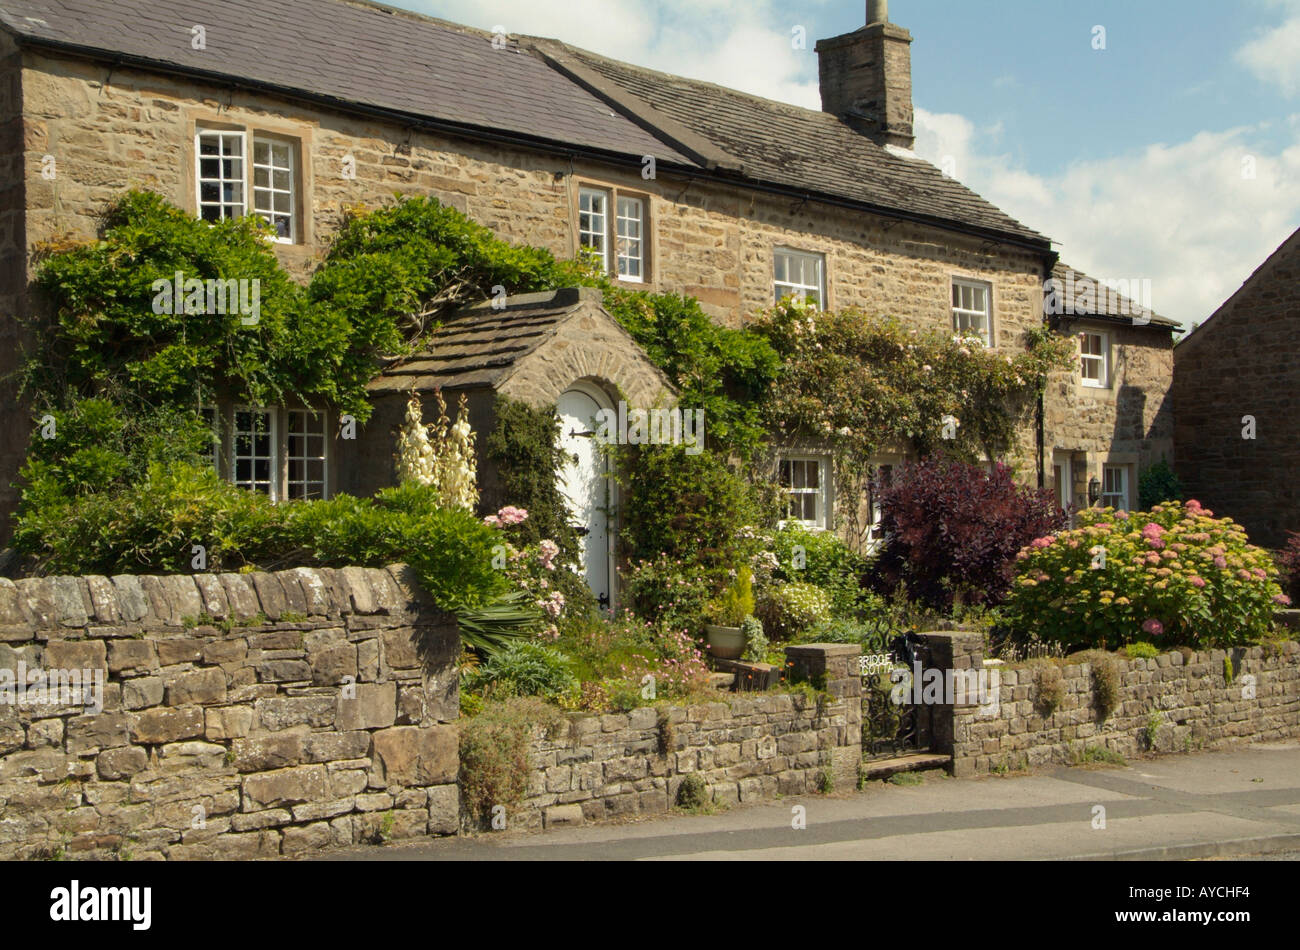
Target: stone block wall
pixel 243 715
pixel 748 748
pixel 1175 702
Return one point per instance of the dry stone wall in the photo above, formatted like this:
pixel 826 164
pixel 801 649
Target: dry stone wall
pixel 1176 702
pixel 243 715
pixel 746 749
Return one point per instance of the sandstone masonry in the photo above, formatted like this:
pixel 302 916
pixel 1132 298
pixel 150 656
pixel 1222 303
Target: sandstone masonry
pixel 746 749
pixel 244 715
pixel 1175 702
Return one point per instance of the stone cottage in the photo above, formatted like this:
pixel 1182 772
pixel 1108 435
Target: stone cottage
pixel 1236 398
pixel 296 109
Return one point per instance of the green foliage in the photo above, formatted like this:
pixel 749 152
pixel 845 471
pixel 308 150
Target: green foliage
pixel 100 336
pixel 1152 730
pixel 873 632
pixel 1229 674
pixel 494 760
pixel 686 507
pixel 866 383
pixel 756 643
pixel 1141 651
pixel 526 451
pixel 524 668
pixel 788 609
pixel 693 793
pixel 1174 576
pixel 1105 681
pixel 736 601
pixel 151 528
pixel 1157 485
pixel 725 372
pixel 1050 686
pixel 821 558
pixel 674 592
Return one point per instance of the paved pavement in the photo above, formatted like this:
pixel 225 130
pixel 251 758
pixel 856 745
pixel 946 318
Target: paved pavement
pixel 1212 805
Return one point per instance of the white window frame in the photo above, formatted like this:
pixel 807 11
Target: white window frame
pixel 253 483
pixel 586 197
pixel 290 169
pixel 228 209
pixel 789 286
pixel 821 493
pixel 1122 494
pixel 627 242
pixel 1102 359
pixel 969 315
pixel 305 459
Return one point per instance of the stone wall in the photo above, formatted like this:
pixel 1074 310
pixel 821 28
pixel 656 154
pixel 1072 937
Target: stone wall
pixel 1239 364
pixel 1130 423
pixel 243 715
pixel 747 748
pixel 1175 702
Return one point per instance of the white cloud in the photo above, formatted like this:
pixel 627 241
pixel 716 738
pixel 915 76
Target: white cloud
pixel 743 44
pixel 1186 216
pixel 1274 57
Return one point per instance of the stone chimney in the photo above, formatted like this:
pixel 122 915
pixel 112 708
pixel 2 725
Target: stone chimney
pixel 866 78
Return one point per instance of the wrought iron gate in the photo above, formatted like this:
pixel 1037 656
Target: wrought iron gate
pixel 892 723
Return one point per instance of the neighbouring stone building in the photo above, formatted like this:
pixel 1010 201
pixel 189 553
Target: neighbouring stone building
pixel 676 185
pixel 1236 399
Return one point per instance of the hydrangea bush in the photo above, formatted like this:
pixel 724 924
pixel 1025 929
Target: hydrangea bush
pixel 1174 576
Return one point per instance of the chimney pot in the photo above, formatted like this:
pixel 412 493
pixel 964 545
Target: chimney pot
pixel 877 11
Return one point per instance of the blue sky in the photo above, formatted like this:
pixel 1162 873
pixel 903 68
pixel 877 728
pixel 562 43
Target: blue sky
pixel 1171 155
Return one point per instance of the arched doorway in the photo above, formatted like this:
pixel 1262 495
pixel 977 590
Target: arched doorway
pixel 585 485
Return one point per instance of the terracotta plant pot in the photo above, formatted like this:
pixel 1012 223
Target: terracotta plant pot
pixel 726 643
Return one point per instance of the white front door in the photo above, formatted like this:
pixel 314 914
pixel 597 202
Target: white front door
pixel 585 487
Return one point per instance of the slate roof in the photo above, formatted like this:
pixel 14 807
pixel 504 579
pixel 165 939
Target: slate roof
pixel 479 346
pixel 801 148
pixel 1112 306
pixel 378 58
pixel 352 53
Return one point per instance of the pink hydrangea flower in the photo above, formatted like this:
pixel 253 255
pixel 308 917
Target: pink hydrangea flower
pixel 1153 627
pixel 512 515
pixel 1220 562
pixel 1041 543
pixel 1283 600
pixel 1198 582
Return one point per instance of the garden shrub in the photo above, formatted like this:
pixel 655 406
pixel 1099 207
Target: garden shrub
pixel 823 559
pixel 494 762
pixel 674 592
pixel 1173 576
pixel 525 449
pixel 1158 484
pixel 788 609
pixel 686 507
pixel 755 640
pixel 735 603
pixel 524 668
pixel 1141 651
pixel 1288 563
pixel 954 530
pixel 873 634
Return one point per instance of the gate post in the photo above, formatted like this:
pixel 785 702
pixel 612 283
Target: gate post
pixel 955 651
pixel 834 667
